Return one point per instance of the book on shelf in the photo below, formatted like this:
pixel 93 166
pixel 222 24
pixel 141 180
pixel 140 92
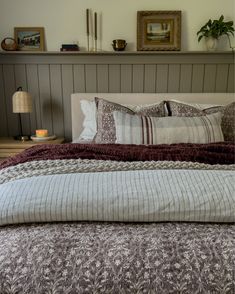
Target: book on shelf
pixel 69 47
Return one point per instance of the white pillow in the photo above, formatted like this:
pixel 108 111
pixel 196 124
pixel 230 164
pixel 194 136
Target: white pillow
pixel 136 129
pixel 89 122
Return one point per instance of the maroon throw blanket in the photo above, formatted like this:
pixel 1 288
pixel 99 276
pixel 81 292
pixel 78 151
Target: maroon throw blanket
pixel 214 153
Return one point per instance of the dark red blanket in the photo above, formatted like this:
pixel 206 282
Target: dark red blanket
pixel 214 153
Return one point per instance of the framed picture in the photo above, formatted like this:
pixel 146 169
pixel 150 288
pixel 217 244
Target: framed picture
pixel 30 38
pixel 158 30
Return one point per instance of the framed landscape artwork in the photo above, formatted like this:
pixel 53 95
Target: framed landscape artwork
pixel 30 38
pixel 158 30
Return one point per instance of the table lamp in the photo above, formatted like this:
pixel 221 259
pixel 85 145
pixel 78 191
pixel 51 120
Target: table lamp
pixel 22 103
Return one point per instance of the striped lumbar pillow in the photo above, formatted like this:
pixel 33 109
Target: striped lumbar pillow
pixel 180 108
pixel 136 129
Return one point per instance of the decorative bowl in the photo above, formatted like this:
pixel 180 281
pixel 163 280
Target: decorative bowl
pixel 119 45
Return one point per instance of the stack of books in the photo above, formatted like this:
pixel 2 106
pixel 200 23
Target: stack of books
pixel 69 47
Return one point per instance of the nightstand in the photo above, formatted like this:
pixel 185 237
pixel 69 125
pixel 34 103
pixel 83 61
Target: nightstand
pixel 10 147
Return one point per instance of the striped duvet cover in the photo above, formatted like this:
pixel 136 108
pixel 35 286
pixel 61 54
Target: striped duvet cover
pixel 72 225
pixel 133 195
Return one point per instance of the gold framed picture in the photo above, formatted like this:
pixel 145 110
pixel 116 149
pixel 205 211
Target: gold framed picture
pixel 158 30
pixel 30 38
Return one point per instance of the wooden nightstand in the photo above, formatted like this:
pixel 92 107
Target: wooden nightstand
pixel 10 147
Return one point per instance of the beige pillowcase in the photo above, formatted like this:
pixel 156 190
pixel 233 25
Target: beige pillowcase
pixel 178 108
pixel 106 132
pixel 136 129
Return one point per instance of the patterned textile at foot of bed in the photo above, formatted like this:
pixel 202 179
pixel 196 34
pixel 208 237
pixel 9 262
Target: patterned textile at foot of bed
pixel 117 258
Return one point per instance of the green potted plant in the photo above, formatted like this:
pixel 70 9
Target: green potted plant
pixel 212 30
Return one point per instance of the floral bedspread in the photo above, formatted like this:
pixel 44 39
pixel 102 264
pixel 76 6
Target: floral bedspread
pixel 117 258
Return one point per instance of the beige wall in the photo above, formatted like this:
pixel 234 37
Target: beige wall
pixel 64 21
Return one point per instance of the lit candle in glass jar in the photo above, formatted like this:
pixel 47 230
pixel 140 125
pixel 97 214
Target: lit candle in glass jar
pixel 41 133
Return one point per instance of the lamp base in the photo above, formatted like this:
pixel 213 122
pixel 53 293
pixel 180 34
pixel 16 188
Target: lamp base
pixel 22 138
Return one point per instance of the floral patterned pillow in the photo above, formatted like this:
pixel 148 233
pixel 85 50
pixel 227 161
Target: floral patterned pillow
pixel 177 108
pixel 106 132
pixel 228 122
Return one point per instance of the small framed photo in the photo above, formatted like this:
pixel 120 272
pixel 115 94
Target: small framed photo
pixel 158 30
pixel 30 38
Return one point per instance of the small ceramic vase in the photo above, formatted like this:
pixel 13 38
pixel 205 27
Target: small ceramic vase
pixel 211 43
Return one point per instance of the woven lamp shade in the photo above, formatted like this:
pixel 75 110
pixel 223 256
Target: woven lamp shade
pixel 22 102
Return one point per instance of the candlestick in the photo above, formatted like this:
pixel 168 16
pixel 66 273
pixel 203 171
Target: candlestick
pixel 87 22
pixel 95 31
pixel 87 27
pixel 95 26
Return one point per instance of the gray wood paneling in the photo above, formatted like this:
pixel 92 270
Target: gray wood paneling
pixel 150 78
pixel 138 78
pixel 57 100
pixel 114 78
pixel 79 78
pixel 126 78
pixel 162 78
pixel 91 78
pixel 209 78
pixel 102 78
pixel 221 78
pixel 185 78
pixel 173 78
pixel 3 115
pixel 52 77
pixel 9 86
pixel 67 89
pixel 231 78
pixel 198 78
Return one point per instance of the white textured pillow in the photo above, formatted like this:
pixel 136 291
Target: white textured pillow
pixel 89 122
pixel 136 129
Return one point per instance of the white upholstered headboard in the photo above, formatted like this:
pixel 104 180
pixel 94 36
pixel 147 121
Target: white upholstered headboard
pixel 142 98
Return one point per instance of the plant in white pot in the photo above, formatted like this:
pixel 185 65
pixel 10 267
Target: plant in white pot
pixel 214 29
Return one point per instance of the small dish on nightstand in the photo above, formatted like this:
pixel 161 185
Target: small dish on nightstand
pixel 42 139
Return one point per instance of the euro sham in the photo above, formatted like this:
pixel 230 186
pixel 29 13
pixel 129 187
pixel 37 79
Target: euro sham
pixel 106 132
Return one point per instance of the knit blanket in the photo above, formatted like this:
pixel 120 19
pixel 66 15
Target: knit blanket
pixel 65 166
pixel 214 153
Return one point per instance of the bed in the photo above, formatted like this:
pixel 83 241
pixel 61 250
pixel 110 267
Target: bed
pixel 121 217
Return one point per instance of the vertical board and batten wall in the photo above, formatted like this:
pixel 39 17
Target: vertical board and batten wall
pixel 51 78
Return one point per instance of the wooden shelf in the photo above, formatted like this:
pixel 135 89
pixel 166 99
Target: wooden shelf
pixel 100 53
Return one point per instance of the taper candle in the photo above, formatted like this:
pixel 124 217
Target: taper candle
pixel 87 22
pixel 95 26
